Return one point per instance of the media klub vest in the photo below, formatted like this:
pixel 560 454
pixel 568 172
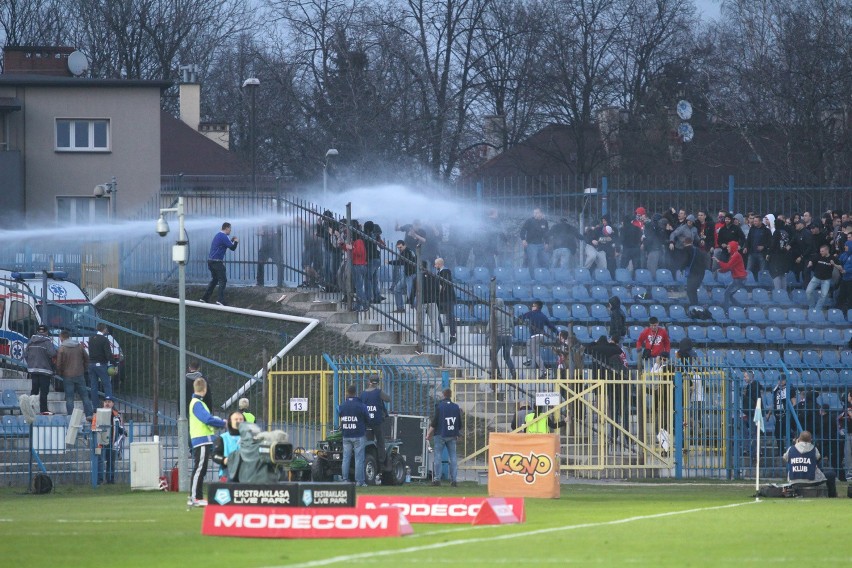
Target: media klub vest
pixel 801 466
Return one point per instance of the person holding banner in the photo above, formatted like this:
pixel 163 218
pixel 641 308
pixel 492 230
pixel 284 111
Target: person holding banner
pixel 446 423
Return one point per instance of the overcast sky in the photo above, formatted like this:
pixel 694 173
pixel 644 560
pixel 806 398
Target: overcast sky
pixel 709 8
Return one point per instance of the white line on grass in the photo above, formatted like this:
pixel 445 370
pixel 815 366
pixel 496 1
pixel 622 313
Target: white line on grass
pixel 438 545
pixel 102 521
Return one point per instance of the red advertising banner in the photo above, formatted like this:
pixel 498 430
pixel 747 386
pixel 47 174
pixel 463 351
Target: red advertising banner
pixel 309 522
pixel 449 510
pixel 495 511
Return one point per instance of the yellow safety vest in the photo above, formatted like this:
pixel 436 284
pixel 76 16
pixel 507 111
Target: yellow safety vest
pixel 197 428
pixel 536 425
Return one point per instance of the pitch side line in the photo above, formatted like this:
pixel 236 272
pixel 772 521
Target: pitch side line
pixel 439 545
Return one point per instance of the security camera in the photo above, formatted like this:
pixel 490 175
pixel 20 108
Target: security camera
pixel 100 190
pixel 162 226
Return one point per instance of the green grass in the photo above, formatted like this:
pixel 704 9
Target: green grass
pixel 599 525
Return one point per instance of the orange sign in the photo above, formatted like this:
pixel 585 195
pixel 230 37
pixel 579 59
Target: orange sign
pixel 523 465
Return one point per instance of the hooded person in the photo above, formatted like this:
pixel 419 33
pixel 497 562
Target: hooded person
pixel 227 443
pixel 779 255
pixel 631 244
pixel 38 355
pixel 617 318
pixel 736 267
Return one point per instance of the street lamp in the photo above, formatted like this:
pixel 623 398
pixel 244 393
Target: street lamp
pixel 252 84
pixel 180 254
pixel 329 154
pixel 111 189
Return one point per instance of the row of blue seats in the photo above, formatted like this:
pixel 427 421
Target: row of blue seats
pixel 628 295
pixel 735 315
pixel 624 276
pixel 15 425
pixel 715 334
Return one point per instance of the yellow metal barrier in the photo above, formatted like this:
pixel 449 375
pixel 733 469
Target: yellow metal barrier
pixel 610 425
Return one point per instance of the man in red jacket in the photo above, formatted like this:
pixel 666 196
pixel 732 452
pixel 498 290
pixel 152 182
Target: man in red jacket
pixel 736 267
pixel 653 342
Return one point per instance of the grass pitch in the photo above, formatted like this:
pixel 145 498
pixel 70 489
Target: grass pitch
pixel 606 524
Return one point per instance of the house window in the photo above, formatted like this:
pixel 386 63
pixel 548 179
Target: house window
pixel 82 135
pixel 82 210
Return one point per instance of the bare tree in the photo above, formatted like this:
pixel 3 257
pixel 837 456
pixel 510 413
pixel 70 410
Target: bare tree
pixel 32 22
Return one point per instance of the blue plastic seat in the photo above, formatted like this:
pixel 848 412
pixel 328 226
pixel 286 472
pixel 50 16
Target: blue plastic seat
pixel 734 358
pixel 846 358
pixel 761 297
pixel 481 274
pixel 520 334
pixel 521 275
pixel 764 279
pixel 718 314
pixel 638 312
pixel 560 312
pixel 677 313
pixel 562 275
pixel 833 336
pixel 697 333
pixel 751 281
pixel 582 276
pixel 602 276
pixel 756 315
pixel 461 273
pixel 724 278
pixel 461 313
pixel 734 334
pixel 754 334
pixel 519 309
pixel 481 313
pixel 799 297
pixel 737 314
pixel 715 334
pixel 676 333
pixel 810 377
pixel 781 298
pixel 8 400
pixel 703 295
pixel 771 377
pixel 561 293
pixel 831 399
pixel 718 296
pixel 503 274
pixel 640 294
pixel 796 315
pixel 504 291
pixel 581 332
pixel 633 333
pixel 658 311
pixel 811 358
pixel 830 358
pixel 776 315
pixel 542 292
pixel 792 358
pixel 773 334
pixel 794 335
pixel 598 312
pixel 597 330
pixel 643 276
pixel 814 336
pixel 580 312
pixel 753 357
pixel 580 293
pixel 661 295
pixel 835 316
pixel 543 276
pixel 709 279
pixel 522 293
pixel 622 294
pixel 664 277
pixel 771 358
pixel 599 294
pixel 816 317
pixel 623 276
pixel 480 292
pixel 846 377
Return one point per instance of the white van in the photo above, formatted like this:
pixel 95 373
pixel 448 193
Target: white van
pixel 22 295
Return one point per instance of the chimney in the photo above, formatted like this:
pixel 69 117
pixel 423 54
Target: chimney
pixel 218 132
pixel 190 96
pixel 37 60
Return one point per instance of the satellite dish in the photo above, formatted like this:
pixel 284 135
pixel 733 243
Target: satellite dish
pixel 684 110
pixel 685 131
pixel 78 63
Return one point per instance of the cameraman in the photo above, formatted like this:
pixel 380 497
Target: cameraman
pixel 802 469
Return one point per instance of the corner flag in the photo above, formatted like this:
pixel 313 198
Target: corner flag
pixel 758 417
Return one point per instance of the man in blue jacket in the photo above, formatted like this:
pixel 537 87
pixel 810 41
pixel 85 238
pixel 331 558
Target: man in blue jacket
pixel 374 398
pixel 353 425
pixel 202 432
pixel 446 426
pixel 222 241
